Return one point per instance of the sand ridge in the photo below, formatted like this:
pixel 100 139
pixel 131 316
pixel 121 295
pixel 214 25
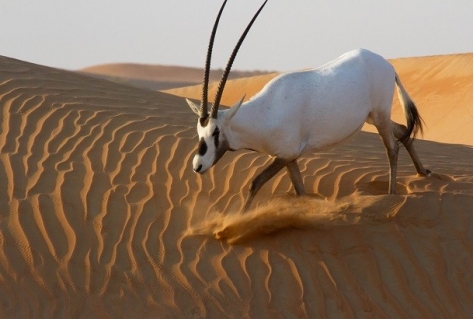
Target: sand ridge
pixel 101 216
pixel 158 77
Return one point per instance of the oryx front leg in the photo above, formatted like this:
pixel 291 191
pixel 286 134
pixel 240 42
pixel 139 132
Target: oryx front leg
pixel 295 176
pixel 262 178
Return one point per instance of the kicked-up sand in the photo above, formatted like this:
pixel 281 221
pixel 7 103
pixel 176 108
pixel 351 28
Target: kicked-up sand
pixel 101 215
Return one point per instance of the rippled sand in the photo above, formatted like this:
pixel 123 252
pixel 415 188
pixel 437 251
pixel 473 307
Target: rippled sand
pixel 101 215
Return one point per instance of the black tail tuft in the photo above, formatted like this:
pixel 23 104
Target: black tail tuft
pixel 414 122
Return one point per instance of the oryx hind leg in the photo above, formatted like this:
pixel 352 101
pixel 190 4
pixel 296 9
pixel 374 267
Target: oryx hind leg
pixel 398 131
pixel 385 128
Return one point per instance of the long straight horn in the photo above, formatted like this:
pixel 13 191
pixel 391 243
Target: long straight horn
pixel 220 89
pixel 205 84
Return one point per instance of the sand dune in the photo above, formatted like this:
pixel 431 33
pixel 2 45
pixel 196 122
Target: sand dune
pixel 158 77
pixel 101 216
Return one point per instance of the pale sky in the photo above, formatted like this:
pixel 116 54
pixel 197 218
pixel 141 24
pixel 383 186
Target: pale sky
pixel 288 35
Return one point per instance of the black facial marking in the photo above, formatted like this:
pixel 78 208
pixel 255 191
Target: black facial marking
pixel 202 147
pixel 216 136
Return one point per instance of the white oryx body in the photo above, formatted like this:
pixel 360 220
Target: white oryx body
pixel 306 111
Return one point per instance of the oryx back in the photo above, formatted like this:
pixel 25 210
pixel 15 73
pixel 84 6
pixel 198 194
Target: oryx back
pixel 306 111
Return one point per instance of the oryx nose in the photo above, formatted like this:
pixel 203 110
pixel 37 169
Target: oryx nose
pixel 197 169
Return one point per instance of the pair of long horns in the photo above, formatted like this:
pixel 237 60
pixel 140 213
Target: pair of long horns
pixel 203 111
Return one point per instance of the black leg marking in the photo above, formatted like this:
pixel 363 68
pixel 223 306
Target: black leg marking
pixel 262 178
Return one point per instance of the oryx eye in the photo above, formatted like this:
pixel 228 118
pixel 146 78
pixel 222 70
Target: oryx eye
pixel 202 147
pixel 216 136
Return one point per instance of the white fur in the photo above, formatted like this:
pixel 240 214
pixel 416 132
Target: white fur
pixel 306 111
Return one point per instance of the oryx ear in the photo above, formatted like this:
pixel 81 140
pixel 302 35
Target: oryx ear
pixel 233 110
pixel 193 107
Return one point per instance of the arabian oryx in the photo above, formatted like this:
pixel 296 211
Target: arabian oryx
pixel 306 111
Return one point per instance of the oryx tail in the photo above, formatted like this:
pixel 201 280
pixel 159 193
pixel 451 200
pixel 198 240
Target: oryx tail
pixel 414 120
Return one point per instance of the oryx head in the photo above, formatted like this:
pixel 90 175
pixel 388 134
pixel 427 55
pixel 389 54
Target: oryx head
pixel 212 140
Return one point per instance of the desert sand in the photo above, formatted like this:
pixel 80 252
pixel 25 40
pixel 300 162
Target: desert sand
pixel 158 77
pixel 101 215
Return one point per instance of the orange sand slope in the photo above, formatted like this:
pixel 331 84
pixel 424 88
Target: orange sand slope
pixel 101 216
pixel 158 77
pixel 441 86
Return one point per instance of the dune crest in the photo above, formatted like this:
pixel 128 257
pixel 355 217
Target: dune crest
pixel 102 216
pixel 158 77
